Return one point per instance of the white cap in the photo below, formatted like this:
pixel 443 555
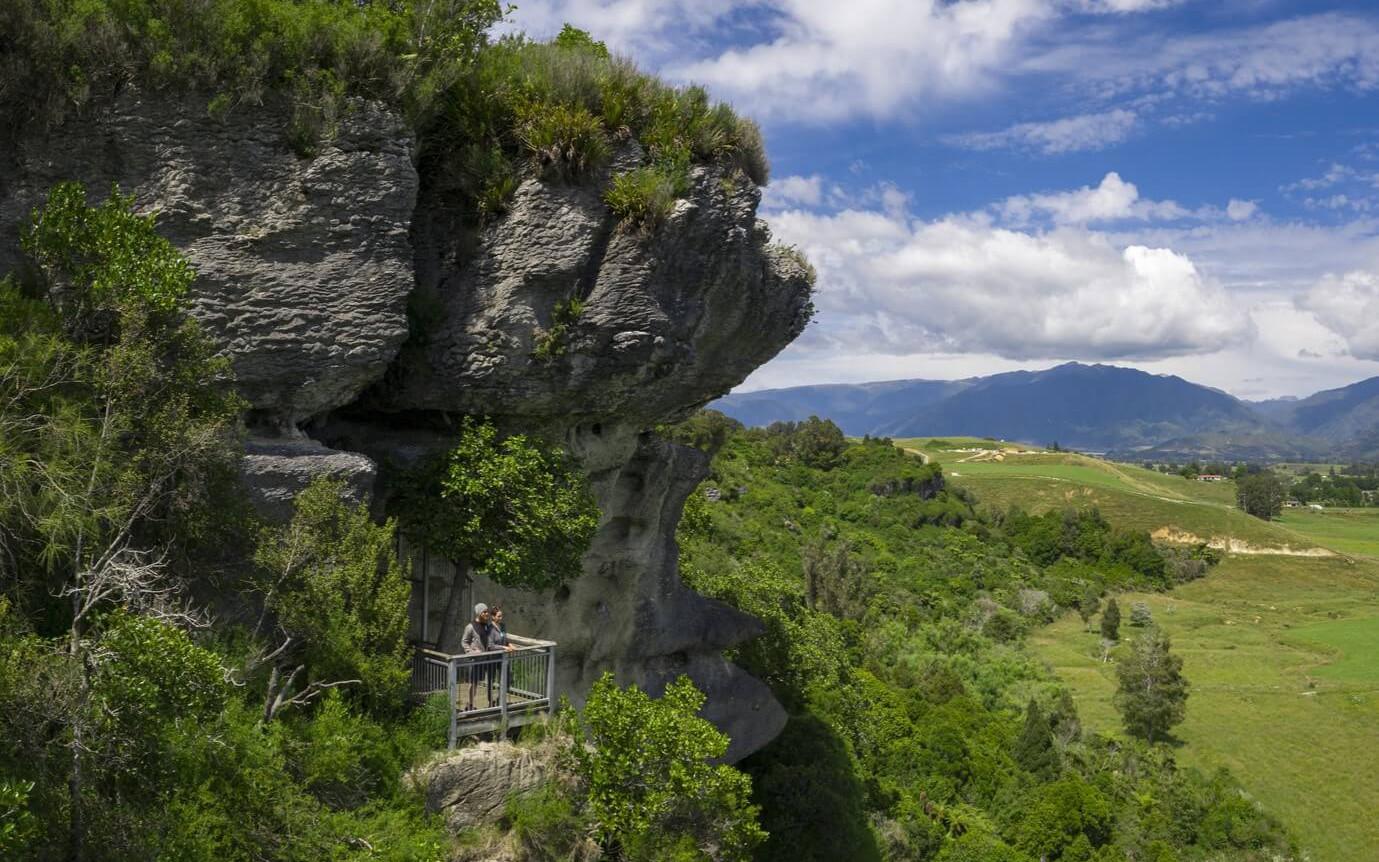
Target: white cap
pixel 480 608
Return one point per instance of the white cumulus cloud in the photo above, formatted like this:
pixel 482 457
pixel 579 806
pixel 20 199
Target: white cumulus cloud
pixel 1349 306
pixel 960 284
pixel 1112 200
pixel 827 61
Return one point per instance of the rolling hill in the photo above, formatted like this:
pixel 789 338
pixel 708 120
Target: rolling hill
pixel 1348 415
pixel 1093 407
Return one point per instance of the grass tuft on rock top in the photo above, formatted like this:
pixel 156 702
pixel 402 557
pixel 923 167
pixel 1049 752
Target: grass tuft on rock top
pixel 485 110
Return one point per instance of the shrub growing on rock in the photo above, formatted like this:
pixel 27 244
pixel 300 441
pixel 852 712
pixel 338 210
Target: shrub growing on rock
pixel 514 507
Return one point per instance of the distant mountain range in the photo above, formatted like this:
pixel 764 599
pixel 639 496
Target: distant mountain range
pixel 1091 407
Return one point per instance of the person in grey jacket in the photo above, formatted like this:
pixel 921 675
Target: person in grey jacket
pixel 475 641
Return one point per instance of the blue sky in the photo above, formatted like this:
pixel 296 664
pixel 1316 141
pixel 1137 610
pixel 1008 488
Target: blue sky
pixel 1183 186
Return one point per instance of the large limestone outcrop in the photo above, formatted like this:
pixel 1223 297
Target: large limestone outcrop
pixel 304 264
pixel 630 612
pixel 275 471
pixel 671 318
pixel 306 269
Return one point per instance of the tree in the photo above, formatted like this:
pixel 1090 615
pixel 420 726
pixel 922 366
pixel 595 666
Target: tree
pixel 1140 615
pixel 835 581
pixel 1034 750
pixel 652 786
pixel 1261 494
pixel 117 434
pixel 1089 604
pixel 1152 693
pixel 815 442
pixel 338 600
pixel 517 509
pixel 1110 621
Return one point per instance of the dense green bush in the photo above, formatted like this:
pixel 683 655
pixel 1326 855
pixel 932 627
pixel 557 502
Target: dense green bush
pixel 513 507
pixel 646 196
pixel 910 691
pixel 638 781
pixel 338 598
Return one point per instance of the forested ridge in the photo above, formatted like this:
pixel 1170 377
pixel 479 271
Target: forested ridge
pixel 920 726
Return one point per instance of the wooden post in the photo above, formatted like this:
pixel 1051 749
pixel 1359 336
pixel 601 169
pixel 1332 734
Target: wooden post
pixel 550 680
pixel 503 693
pixel 453 684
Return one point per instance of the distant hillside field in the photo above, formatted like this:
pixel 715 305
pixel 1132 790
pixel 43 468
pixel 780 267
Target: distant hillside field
pixel 1132 496
pixel 1282 650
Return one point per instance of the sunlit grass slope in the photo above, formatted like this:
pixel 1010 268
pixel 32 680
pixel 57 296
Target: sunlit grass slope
pixel 1282 651
pixel 1128 495
pixel 1283 657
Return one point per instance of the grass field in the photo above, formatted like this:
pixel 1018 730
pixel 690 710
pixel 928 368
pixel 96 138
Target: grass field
pixel 1282 651
pixel 1350 531
pixel 1283 694
pixel 1126 494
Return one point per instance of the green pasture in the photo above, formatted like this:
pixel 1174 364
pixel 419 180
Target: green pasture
pixel 1125 494
pixel 1350 531
pixel 1283 657
pixel 1282 651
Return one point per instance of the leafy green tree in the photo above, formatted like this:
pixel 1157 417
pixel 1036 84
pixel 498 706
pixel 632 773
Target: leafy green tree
pixel 17 823
pixel 652 787
pixel 575 39
pixel 1140 615
pixel 835 580
pixel 512 507
pixel 338 597
pixel 1034 750
pixel 1110 621
pixel 815 442
pixel 117 429
pixel 1151 693
pixel 1089 604
pixel 1261 494
pixel 1060 813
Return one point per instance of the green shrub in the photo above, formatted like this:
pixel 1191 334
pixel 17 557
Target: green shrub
pixel 514 507
pixel 564 141
pixel 652 787
pixel 17 823
pixel 548 824
pixel 552 342
pixel 646 196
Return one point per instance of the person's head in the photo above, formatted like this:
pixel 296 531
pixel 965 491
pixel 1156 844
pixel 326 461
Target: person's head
pixel 498 614
pixel 481 612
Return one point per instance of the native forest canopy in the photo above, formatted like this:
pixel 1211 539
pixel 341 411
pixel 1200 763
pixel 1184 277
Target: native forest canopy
pixel 357 501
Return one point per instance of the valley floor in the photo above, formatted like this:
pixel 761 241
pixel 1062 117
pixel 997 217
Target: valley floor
pixel 1282 651
pixel 1283 657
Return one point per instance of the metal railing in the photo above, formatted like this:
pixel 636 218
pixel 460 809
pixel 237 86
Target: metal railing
pixel 491 690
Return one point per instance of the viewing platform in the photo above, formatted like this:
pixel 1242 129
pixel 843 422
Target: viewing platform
pixel 490 691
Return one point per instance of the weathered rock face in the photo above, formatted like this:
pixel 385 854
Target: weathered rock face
pixel 275 471
pixel 304 265
pixel 470 787
pixel 630 612
pixel 671 318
